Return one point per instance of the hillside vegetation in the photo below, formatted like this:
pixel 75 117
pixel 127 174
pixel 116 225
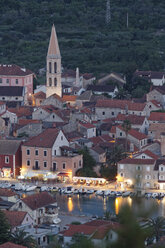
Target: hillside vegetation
pixel 84 38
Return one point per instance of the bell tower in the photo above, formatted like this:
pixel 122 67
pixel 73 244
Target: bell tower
pixel 53 67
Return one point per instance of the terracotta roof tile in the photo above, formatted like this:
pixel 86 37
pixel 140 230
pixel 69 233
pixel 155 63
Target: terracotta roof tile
pixel 40 95
pixel 134 119
pixel 136 161
pixel 148 153
pixel 21 111
pixel 9 147
pixel 27 121
pixel 15 218
pixel 86 124
pixel 157 116
pixel 137 134
pixel 11 245
pixel 14 70
pixel 121 104
pixel 69 98
pixel 6 193
pixel 44 139
pixel 39 200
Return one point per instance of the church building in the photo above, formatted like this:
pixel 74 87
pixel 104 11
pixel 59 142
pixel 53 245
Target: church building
pixel 53 71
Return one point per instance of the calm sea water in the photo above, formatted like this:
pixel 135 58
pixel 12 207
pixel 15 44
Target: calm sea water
pixel 98 205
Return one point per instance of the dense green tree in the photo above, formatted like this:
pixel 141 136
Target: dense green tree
pixel 21 237
pixel 80 241
pixel 131 234
pixel 158 226
pixel 4 228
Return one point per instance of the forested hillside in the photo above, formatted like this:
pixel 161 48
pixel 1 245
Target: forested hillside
pixel 85 39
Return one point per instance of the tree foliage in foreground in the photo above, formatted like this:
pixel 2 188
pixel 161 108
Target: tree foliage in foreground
pixel 4 228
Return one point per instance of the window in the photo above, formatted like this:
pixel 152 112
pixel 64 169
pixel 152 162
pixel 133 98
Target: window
pixel 16 81
pixel 36 152
pixel 45 164
pixel 16 98
pixel 74 164
pixel 53 116
pixel 80 163
pixel 122 174
pixel 121 134
pixel 28 152
pixel 55 67
pixel 28 162
pixel 50 67
pixel 103 113
pixel 0 80
pixel 44 238
pixel 121 166
pixel 39 241
pixel 63 165
pixel 36 164
pixel 143 156
pixel 27 219
pixel 3 98
pixel 147 168
pixel 7 81
pixel 138 167
pixel 20 204
pixel 50 82
pixel 40 112
pixel 113 113
pixel 55 81
pixel 161 168
pixel 45 153
pixel 6 159
pixel 61 137
pixel 54 166
pixel 55 152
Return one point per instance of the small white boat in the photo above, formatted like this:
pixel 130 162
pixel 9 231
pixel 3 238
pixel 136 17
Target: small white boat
pixel 99 192
pixel 75 191
pixel 43 188
pixel 125 194
pixel 107 192
pixel 6 185
pixel 68 190
pixel 30 188
pixel 82 191
pixel 90 191
pixel 19 187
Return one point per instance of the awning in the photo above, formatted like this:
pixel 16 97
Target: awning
pixel 63 174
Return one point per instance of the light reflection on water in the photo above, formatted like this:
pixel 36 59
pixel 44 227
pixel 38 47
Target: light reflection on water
pixel 98 205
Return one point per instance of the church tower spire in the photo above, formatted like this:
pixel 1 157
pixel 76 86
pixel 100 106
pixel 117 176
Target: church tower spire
pixel 53 71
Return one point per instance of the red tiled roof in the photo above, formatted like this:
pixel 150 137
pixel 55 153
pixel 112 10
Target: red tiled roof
pixel 149 153
pixel 113 129
pixel 157 116
pixel 137 134
pixel 15 218
pixel 57 97
pixel 156 103
pixel 6 192
pixel 98 149
pixel 39 200
pixel 44 139
pixel 11 245
pixel 121 104
pixel 69 98
pixel 40 95
pixel 27 121
pixel 14 70
pixel 86 124
pixel 98 228
pixel 134 119
pixel 21 111
pixel 136 161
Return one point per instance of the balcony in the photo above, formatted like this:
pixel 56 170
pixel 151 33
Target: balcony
pixel 53 169
pixel 36 168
